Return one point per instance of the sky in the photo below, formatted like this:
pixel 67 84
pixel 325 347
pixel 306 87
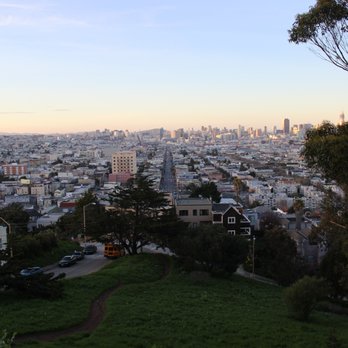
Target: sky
pixel 82 65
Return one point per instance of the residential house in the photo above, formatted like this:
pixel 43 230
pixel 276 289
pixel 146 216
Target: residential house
pixel 194 211
pixel 234 221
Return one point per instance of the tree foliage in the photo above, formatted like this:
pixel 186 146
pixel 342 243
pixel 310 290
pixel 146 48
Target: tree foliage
pixel 15 215
pixel 334 268
pixel 206 190
pixel 325 149
pixel 45 285
pixel 212 248
pixel 325 26
pixel 303 295
pixel 268 221
pixel 276 256
pixel 88 209
pixel 139 213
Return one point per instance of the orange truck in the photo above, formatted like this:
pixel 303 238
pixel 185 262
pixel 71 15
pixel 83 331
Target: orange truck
pixel 112 250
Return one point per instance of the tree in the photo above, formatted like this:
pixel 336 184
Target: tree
pixel 238 185
pixel 206 190
pixel 15 215
pixel 325 26
pixel 268 221
pixel 138 214
pixel 325 150
pixel 334 268
pixel 88 208
pixel 276 256
pixel 303 295
pixel 298 208
pixel 212 248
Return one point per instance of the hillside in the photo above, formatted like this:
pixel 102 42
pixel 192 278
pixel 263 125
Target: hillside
pixel 158 305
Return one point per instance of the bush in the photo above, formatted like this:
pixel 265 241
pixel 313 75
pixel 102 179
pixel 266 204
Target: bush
pixel 211 248
pixel 45 285
pixel 6 339
pixel 303 295
pixel 31 246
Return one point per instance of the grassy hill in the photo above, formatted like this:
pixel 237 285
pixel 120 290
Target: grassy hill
pixel 175 310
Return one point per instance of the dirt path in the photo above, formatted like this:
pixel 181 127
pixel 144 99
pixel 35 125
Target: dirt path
pixel 95 317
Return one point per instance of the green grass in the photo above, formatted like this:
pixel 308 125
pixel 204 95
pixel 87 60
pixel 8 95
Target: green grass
pixel 179 311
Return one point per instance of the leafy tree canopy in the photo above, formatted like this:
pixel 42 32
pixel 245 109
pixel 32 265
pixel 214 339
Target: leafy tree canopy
pixel 207 190
pixel 275 256
pixel 15 215
pixel 212 248
pixel 325 149
pixel 139 212
pixel 325 26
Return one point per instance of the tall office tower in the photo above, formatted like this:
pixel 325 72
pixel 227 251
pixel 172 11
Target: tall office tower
pixel 124 162
pixel 286 128
pixel 240 131
pixel 265 132
pixel 341 121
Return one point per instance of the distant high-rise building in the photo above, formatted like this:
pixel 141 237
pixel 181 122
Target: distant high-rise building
pixel 341 120
pixel 124 166
pixel 124 162
pixel 286 127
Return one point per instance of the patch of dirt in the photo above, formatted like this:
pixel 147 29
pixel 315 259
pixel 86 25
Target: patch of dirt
pixel 95 316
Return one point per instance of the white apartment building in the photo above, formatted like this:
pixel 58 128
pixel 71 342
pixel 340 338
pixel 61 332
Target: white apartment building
pixel 124 162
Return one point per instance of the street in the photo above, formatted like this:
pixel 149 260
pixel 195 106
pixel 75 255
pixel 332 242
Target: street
pixel 90 264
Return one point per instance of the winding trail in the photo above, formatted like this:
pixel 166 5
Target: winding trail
pixel 95 317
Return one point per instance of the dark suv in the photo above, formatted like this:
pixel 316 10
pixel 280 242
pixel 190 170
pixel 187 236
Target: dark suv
pixel 90 249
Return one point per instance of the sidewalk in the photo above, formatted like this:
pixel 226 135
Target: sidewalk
pixel 240 271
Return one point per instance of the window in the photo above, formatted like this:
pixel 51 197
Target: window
pixel 183 212
pixel 231 220
pixel 217 217
pixel 194 212
pixel 245 230
pixel 233 232
pixel 203 212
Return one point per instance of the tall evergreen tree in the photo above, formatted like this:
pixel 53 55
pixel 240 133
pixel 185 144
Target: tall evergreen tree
pixel 139 211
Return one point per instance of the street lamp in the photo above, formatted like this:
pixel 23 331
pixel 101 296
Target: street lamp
pixel 84 219
pixel 253 272
pixel 9 233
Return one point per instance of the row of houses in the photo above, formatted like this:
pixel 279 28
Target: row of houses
pixel 228 213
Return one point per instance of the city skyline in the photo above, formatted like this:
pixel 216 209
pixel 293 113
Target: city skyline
pixel 148 64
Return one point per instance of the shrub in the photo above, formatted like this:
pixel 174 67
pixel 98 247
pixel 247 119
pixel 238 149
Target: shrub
pixel 303 295
pixel 211 248
pixel 6 339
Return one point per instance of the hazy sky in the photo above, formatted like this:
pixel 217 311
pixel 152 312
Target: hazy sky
pixel 73 65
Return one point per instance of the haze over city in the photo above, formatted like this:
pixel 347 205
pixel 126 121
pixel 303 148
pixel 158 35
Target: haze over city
pixel 85 65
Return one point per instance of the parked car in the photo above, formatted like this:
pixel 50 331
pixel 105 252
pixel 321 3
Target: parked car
pixel 67 261
pixel 31 271
pixel 90 249
pixel 79 255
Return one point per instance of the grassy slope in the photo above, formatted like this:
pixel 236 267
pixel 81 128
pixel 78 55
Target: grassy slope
pixel 183 311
